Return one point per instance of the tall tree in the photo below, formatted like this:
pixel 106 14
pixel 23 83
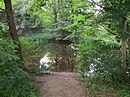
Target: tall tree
pixel 12 27
pixel 114 15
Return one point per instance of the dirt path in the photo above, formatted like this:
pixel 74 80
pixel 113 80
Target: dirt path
pixel 61 85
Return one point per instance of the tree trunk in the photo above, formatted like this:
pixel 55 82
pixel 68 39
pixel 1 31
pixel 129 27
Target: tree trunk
pixel 124 51
pixel 125 40
pixel 12 27
pixel 55 12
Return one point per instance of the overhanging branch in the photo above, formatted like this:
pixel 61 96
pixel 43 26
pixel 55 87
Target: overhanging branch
pixel 108 30
pixel 97 4
pixel 2 10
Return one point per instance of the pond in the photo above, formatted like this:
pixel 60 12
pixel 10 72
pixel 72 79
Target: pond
pixel 59 56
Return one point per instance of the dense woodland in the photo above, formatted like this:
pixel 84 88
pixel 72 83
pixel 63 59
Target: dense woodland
pixel 99 31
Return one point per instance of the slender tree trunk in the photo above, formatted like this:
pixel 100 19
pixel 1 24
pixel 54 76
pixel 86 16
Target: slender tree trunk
pixel 55 15
pixel 124 51
pixel 12 27
pixel 124 42
pixel 55 12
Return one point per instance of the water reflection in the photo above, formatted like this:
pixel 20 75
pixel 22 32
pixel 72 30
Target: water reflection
pixel 59 57
pixel 46 62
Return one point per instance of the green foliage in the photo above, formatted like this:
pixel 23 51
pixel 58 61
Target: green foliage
pixel 93 24
pixel 14 82
pixel 42 11
pixel 33 48
pixel 26 21
pixel 101 61
pixel 97 25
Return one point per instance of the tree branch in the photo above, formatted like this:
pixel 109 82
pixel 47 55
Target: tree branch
pixel 97 4
pixel 101 6
pixel 108 30
pixel 2 9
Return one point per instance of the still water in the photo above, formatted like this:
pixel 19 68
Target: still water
pixel 59 56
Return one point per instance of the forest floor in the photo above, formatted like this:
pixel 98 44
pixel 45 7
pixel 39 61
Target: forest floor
pixel 61 84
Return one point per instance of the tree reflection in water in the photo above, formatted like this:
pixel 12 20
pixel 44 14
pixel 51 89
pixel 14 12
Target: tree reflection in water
pixel 59 56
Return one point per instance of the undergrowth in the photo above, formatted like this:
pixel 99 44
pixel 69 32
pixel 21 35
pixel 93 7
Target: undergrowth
pixel 14 81
pixel 100 69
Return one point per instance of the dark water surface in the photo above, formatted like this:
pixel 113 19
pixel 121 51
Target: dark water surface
pixel 60 55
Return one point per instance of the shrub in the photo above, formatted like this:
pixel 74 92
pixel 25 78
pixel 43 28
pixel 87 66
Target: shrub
pixel 14 82
pixel 97 62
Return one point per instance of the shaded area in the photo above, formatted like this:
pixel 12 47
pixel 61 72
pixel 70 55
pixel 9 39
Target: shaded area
pixel 61 54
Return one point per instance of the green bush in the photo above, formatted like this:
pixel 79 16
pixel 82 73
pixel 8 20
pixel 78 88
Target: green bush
pixel 31 51
pixel 14 82
pixel 98 62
